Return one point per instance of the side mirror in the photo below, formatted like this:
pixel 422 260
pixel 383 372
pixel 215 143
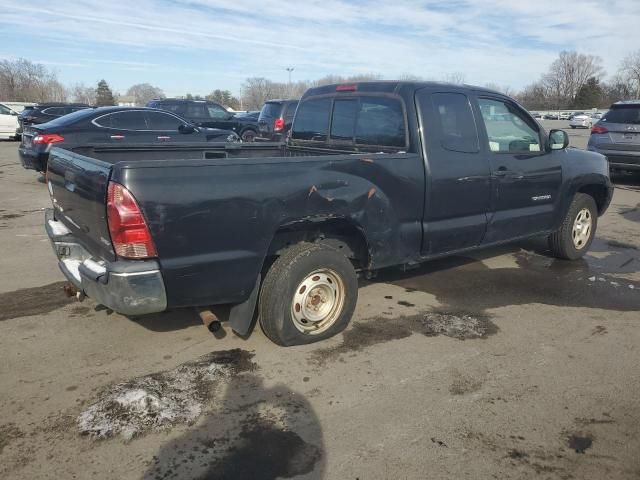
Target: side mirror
pixel 186 128
pixel 558 140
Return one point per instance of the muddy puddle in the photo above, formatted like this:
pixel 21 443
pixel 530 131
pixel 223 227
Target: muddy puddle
pixel 33 301
pixel 364 334
pixel 465 283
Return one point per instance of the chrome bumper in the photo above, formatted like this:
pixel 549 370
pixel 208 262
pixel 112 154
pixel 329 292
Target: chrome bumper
pixel 127 287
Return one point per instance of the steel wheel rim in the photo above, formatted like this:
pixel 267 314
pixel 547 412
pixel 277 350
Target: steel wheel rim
pixel 582 228
pixel 318 301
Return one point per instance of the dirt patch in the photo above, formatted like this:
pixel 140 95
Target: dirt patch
pixel 33 301
pixel 404 303
pixel 579 443
pixel 79 310
pixel 380 330
pixel 9 216
pixel 463 384
pixel 8 433
pixel 163 399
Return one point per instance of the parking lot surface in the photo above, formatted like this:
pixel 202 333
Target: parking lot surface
pixel 502 364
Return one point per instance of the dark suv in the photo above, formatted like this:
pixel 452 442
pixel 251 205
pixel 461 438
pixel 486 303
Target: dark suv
pixel 617 135
pixel 275 119
pixel 205 113
pixel 45 112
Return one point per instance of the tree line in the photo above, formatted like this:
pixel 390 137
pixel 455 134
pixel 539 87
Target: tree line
pixel 572 81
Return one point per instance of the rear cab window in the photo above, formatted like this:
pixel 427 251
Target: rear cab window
pixel 364 122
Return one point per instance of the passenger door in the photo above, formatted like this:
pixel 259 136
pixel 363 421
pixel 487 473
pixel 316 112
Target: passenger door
pixel 125 127
pixel 526 178
pixel 166 128
pixel 457 195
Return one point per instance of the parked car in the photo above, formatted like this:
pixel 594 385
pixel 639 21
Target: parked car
pixel 275 119
pixel 597 115
pixel 551 116
pixel 253 115
pixel 565 116
pixel 360 185
pixel 8 122
pixel 581 121
pixel 115 125
pixel 617 135
pixel 536 115
pixel 204 113
pixel 575 114
pixel 45 112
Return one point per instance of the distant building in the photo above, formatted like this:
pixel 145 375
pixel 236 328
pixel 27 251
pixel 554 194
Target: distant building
pixel 126 101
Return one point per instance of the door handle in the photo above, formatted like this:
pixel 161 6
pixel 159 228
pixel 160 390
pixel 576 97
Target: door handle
pixel 117 137
pixel 505 172
pixel 164 137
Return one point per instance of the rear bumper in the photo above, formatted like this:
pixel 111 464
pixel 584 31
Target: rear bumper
pixel 127 287
pixel 32 160
pixel 620 159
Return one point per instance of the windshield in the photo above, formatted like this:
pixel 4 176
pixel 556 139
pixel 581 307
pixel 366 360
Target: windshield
pixel 623 114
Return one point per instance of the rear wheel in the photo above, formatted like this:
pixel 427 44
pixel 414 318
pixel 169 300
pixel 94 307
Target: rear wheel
pixel 248 136
pixel 574 237
pixel 309 294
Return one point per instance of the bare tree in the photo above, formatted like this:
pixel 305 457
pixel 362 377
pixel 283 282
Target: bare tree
pixel 22 80
pixel 455 77
pixel 510 92
pixel 569 73
pixel 83 94
pixel 630 69
pixel 144 92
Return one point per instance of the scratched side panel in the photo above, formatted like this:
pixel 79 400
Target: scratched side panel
pixel 212 224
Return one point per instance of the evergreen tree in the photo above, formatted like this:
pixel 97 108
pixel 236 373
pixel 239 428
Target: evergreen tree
pixel 590 95
pixel 104 95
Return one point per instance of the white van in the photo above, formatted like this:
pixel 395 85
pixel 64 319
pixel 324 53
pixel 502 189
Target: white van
pixel 8 122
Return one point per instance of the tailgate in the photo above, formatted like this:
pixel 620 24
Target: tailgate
pixel 78 188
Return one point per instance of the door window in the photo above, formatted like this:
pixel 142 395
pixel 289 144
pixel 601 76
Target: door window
pixel 457 127
pixel 197 110
pixel 163 121
pixel 4 110
pixel 54 111
pixel 508 129
pixel 217 112
pixel 124 121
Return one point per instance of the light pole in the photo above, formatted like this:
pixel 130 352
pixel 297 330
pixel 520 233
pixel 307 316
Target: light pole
pixel 289 69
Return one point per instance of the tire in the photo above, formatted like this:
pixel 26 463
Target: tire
pixel 248 136
pixel 582 212
pixel 285 296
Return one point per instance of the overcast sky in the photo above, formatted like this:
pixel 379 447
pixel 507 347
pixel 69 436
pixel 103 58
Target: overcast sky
pixel 200 45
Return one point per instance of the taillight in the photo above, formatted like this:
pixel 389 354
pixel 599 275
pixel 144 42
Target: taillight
pixel 278 125
pixel 129 232
pixel 597 128
pixel 346 88
pixel 47 138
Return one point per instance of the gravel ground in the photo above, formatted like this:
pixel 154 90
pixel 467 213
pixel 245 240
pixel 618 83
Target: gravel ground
pixel 501 364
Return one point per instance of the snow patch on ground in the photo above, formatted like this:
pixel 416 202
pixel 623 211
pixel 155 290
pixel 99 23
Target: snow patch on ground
pixel 160 400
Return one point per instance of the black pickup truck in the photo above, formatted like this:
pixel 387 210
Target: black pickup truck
pixel 374 174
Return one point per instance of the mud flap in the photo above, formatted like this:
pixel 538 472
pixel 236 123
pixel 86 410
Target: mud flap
pixel 241 315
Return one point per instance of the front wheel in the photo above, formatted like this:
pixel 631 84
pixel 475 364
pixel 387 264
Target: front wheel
pixel 309 294
pixel 574 237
